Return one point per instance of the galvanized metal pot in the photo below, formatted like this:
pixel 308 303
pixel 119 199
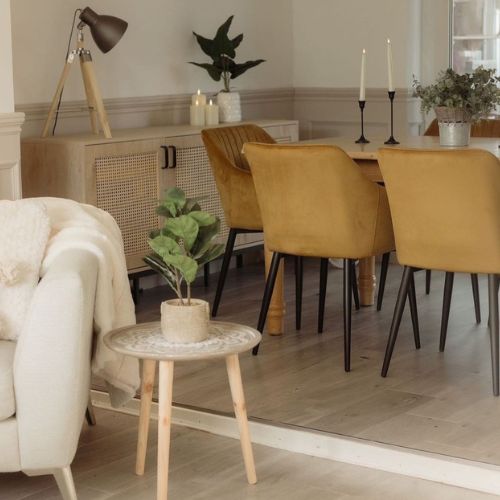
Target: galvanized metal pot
pixel 454 126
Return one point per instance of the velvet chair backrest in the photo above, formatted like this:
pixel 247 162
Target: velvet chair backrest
pixel 483 128
pixel 315 201
pixel 224 147
pixel 445 208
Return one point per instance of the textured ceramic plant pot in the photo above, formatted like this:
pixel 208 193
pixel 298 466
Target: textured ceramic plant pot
pixel 229 107
pixel 454 126
pixel 185 324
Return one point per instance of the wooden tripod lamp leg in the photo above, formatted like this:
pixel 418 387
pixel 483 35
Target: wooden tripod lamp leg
pixel 90 98
pixel 88 71
pixel 57 95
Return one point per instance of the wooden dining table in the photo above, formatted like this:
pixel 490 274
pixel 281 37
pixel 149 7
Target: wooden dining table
pixel 366 156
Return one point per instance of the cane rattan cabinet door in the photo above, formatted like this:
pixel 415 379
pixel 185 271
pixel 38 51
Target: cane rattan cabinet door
pixel 126 180
pixel 188 167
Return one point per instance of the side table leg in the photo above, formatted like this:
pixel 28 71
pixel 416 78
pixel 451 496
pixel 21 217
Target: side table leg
pixel 148 380
pixel 234 374
pixel 164 422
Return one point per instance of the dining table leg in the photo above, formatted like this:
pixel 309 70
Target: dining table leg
pixel 367 281
pixel 276 314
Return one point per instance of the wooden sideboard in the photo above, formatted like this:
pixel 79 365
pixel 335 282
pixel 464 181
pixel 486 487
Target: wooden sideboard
pixel 126 175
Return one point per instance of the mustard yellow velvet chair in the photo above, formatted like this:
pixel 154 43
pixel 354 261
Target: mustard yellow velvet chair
pixel 316 202
pixel 487 127
pixel 235 185
pixel 445 208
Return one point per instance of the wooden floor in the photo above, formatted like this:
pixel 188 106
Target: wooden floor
pixel 439 402
pixel 208 467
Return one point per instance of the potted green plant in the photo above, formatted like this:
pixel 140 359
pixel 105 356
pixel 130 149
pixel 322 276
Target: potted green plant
pixel 180 247
pixel 222 50
pixel 458 100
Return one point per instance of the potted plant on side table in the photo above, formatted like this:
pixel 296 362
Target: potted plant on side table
pixel 222 51
pixel 459 100
pixel 180 247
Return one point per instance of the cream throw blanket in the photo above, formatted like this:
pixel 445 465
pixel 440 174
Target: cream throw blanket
pixel 75 225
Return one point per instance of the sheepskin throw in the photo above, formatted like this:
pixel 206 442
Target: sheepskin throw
pixel 24 232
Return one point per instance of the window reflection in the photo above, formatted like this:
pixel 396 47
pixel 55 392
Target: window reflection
pixel 476 42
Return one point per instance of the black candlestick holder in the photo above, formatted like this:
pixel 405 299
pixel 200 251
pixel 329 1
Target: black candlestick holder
pixel 362 139
pixel 391 139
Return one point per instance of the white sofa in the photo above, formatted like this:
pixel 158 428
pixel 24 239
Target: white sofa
pixel 45 378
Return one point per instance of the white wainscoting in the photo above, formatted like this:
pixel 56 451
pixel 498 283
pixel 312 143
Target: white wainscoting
pixel 330 112
pixel 322 112
pixel 10 169
pixel 134 112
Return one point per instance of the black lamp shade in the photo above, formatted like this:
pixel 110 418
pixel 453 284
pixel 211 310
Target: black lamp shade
pixel 106 30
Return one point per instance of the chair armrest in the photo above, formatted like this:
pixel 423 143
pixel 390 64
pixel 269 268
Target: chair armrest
pixel 52 362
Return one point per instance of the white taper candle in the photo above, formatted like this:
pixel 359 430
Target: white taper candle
pixel 363 76
pixel 389 66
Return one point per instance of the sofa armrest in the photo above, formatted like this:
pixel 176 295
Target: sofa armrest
pixel 52 362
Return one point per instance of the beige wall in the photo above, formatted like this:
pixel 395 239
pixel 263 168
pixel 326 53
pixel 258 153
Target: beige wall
pixel 151 58
pixel 435 38
pixel 312 47
pixel 329 37
pixel 6 85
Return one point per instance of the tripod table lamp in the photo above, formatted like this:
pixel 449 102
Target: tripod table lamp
pixel 106 32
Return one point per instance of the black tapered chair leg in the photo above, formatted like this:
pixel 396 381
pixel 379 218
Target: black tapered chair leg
pixel 396 319
pixel 206 274
pixel 323 281
pixel 239 261
pixel 428 274
pixel 412 297
pixel 448 290
pixel 299 286
pixel 223 271
pixel 136 290
pixel 354 284
pixel 493 303
pixel 268 293
pixel 347 313
pixel 475 294
pixel 383 276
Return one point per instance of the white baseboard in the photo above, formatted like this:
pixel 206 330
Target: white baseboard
pixel 452 471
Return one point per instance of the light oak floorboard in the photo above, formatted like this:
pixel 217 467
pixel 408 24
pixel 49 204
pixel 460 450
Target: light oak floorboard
pixel 432 401
pixel 208 467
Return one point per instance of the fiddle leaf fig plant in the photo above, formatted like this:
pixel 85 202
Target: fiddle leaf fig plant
pixel 222 50
pixel 184 243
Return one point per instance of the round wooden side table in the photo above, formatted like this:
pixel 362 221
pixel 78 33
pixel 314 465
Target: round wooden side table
pixel 145 341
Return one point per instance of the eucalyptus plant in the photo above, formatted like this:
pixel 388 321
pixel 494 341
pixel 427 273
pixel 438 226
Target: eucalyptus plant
pixel 184 243
pixel 477 92
pixel 222 50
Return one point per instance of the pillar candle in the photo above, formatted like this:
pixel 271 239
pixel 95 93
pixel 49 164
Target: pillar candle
pixel 201 98
pixel 363 76
pixel 211 114
pixel 389 66
pixel 197 113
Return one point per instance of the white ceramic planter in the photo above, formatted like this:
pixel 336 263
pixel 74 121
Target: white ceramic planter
pixel 229 107
pixel 185 324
